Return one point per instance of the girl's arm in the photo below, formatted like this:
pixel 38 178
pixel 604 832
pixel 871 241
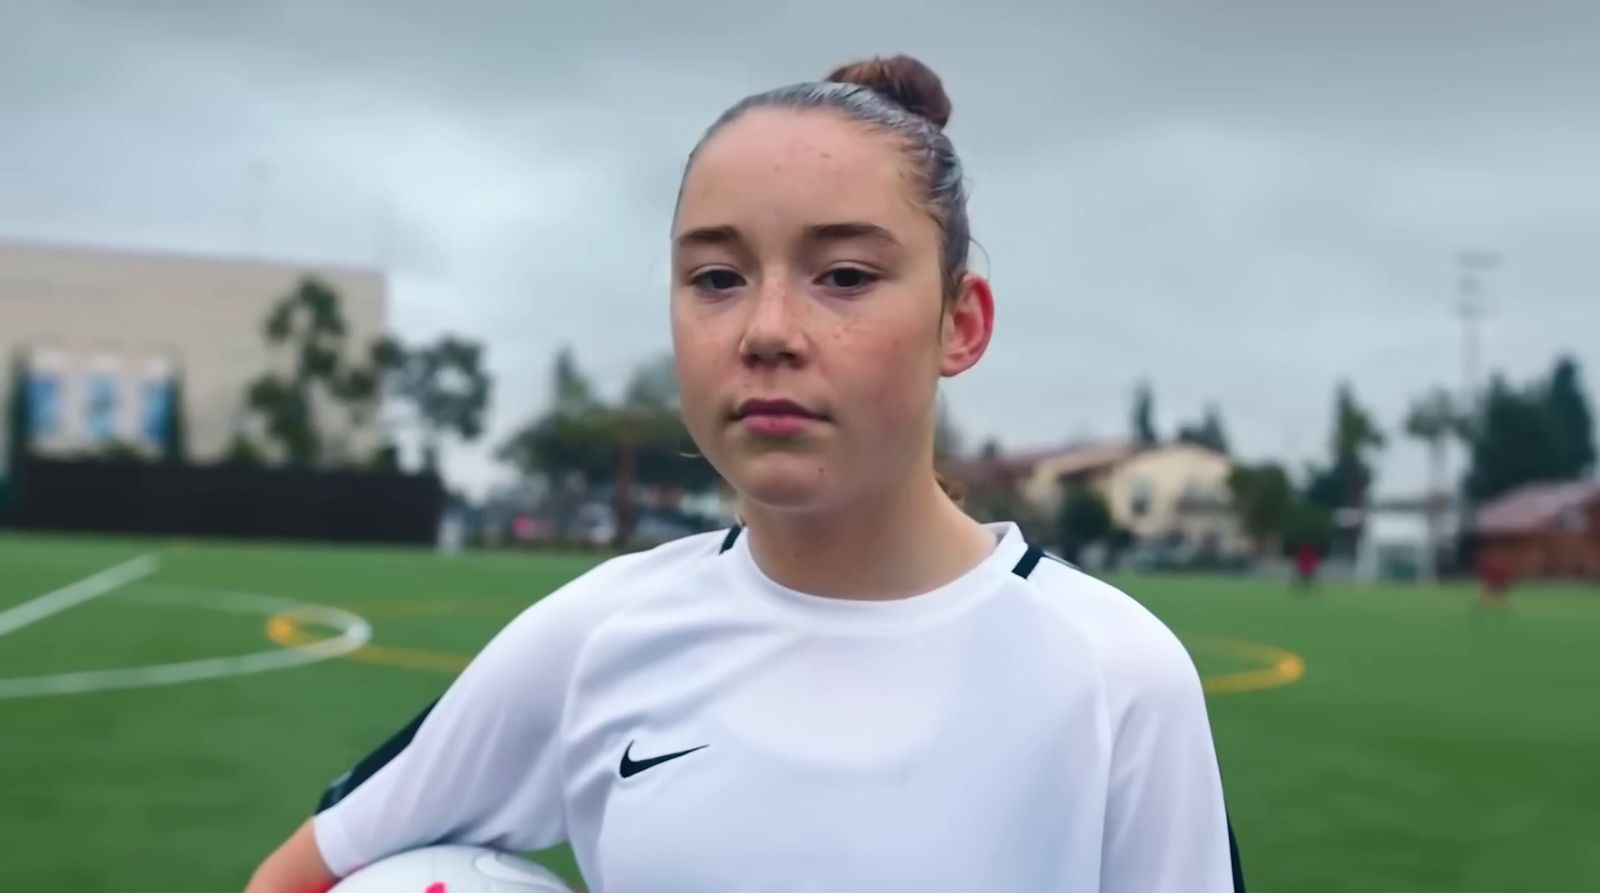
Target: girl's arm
pixel 295 867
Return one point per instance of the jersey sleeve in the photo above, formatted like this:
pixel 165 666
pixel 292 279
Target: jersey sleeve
pixel 1166 824
pixel 483 764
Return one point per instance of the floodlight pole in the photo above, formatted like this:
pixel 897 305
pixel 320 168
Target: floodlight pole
pixel 1471 309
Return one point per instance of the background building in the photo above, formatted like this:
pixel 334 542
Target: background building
pixel 1174 494
pixel 105 333
pixel 1544 530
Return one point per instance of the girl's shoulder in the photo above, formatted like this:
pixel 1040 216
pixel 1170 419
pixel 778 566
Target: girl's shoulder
pixel 573 611
pixel 1136 653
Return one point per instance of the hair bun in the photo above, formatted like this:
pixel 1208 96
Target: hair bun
pixel 905 81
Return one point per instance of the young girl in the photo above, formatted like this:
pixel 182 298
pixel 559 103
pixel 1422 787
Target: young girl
pixel 861 689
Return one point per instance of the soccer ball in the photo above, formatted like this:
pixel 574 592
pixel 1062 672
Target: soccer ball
pixel 452 869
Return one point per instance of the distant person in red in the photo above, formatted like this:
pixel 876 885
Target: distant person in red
pixel 1495 575
pixel 1306 559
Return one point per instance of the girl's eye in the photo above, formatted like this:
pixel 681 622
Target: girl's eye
pixel 717 280
pixel 848 278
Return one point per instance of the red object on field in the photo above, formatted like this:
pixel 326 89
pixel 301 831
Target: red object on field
pixel 435 888
pixel 1305 561
pixel 1496 574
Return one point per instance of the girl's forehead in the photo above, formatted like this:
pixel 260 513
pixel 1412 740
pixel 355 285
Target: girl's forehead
pixel 818 136
pixel 807 166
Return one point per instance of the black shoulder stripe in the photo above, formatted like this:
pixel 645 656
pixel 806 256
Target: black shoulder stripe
pixel 1033 556
pixel 371 763
pixel 1233 856
pixel 730 539
pixel 1030 560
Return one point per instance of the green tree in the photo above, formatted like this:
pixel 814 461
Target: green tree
pixel 620 446
pixel 640 440
pixel 1571 420
pixel 445 384
pixel 1355 434
pixel 309 323
pixel 568 443
pixel 1515 441
pixel 1541 432
pixel 118 451
pixel 358 389
pixel 1434 420
pixel 1309 525
pixel 1209 433
pixel 1347 482
pixel 654 383
pixel 287 417
pixel 175 425
pixel 1274 515
pixel 386 458
pixel 19 415
pixel 1144 412
pixel 1264 500
pixel 571 390
pixel 18 419
pixel 653 445
pixel 241 450
pixel 1084 519
pixel 562 444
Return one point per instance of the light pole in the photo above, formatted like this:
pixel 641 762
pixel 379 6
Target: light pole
pixel 1472 267
pixel 1470 307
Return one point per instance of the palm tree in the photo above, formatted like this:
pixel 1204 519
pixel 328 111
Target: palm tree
pixel 1435 419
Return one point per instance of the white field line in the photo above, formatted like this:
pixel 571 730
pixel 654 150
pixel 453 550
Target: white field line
pixel 35 610
pixel 354 632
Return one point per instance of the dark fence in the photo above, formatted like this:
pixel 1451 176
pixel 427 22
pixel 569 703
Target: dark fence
pixel 226 501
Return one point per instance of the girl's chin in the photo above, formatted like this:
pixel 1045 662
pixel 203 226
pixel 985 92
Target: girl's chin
pixel 784 481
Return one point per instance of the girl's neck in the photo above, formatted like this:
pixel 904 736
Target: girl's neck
pixel 881 546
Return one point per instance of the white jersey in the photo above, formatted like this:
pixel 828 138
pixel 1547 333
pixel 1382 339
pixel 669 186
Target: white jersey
pixel 689 725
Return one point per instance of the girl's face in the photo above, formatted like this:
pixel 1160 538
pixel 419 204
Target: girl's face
pixel 807 313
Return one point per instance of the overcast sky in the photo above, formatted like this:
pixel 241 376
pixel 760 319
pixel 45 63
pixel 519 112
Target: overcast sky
pixel 1242 202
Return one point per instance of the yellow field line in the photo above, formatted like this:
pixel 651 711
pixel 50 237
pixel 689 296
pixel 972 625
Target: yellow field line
pixel 1283 667
pixel 285 631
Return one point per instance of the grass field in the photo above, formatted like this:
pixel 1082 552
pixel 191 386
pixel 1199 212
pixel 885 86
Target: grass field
pixel 1428 746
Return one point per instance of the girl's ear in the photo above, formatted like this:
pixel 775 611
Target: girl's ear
pixel 968 325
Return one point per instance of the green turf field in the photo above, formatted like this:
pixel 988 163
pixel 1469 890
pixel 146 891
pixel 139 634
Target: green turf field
pixel 1428 746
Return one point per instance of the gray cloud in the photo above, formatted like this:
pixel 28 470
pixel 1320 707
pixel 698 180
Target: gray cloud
pixel 1241 201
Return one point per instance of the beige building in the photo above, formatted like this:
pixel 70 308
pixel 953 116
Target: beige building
pixel 1174 492
pixel 1045 473
pixel 105 331
pixel 1177 491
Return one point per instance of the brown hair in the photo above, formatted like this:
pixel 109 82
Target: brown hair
pixel 907 82
pixel 951 487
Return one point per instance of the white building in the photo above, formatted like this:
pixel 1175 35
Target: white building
pixel 104 333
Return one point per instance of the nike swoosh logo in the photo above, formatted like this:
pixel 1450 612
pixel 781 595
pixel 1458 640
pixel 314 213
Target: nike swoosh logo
pixel 631 767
